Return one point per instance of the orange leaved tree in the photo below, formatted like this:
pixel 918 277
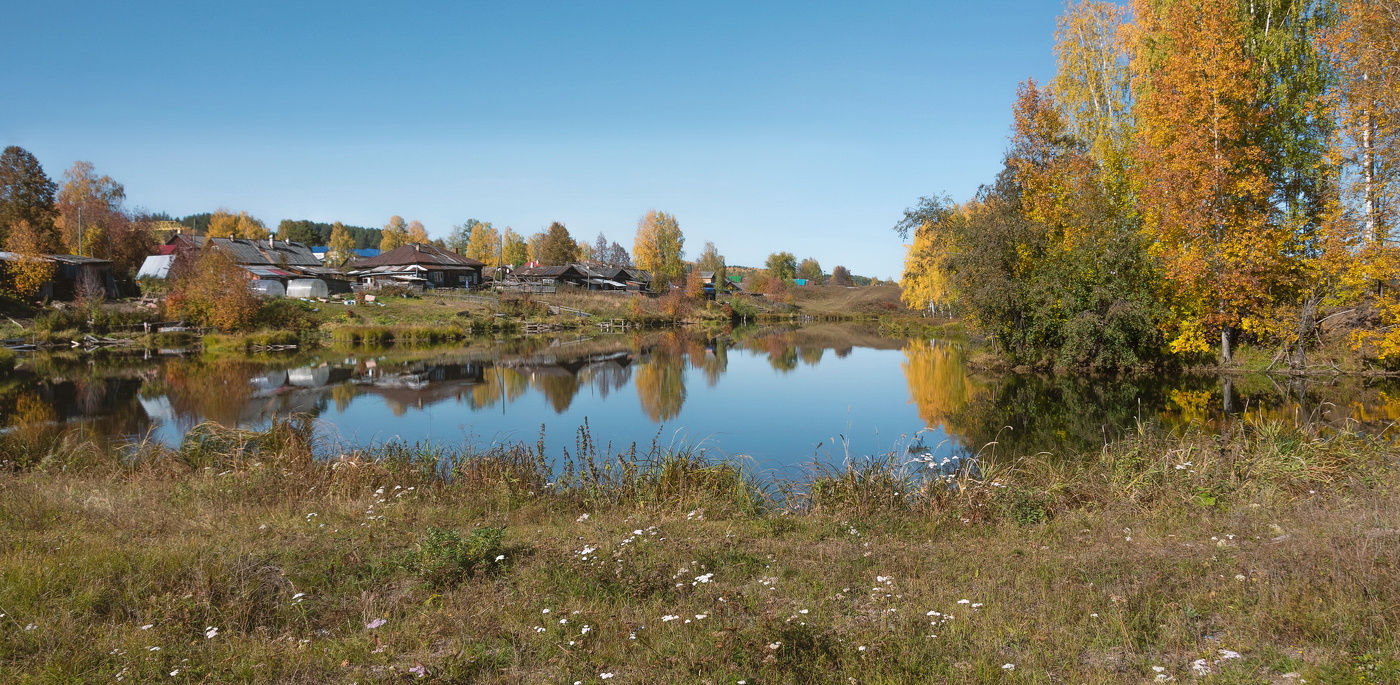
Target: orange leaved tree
pixel 1201 177
pixel 210 289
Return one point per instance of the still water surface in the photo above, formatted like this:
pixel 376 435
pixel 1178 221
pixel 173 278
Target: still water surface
pixel 778 396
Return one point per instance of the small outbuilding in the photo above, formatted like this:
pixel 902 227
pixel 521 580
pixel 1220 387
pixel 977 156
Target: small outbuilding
pixel 307 287
pixel 553 275
pixel 73 276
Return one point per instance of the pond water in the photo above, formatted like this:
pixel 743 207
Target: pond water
pixel 778 396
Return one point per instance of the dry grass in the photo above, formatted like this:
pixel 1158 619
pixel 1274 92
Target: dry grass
pixel 244 559
pixel 831 300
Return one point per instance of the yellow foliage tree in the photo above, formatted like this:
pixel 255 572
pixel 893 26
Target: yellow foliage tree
pixel 395 234
pixel 484 245
pixel 1092 87
pixel 515 251
pixel 924 283
pixel 417 234
pixel 342 244
pixel 226 224
pixel 659 247
pixel 29 270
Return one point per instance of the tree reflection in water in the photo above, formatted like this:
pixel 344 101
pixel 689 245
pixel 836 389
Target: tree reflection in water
pixel 127 394
pixel 661 379
pixel 939 381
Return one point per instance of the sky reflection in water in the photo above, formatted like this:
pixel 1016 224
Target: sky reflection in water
pixel 780 397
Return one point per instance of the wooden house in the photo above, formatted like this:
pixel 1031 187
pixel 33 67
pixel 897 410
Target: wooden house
pixel 72 274
pixel 268 260
pixel 568 274
pixel 421 266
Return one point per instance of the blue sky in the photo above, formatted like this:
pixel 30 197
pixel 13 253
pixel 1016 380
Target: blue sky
pixel 763 126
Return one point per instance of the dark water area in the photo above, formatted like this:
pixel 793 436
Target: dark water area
pixel 778 396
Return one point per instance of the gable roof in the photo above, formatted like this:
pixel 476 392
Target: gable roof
pixel 249 252
pixel 549 272
pixel 420 253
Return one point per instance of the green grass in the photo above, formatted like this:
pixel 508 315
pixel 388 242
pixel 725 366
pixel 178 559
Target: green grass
pixel 384 335
pixel 661 567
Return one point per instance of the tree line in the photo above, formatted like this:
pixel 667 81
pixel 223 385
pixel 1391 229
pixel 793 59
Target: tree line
pixel 1198 173
pixel 87 215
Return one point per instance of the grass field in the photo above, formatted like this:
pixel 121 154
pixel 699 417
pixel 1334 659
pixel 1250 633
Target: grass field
pixel 831 300
pixel 1265 556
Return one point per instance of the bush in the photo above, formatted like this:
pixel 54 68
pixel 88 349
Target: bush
pixel 212 290
pixel 287 315
pixel 1123 337
pixel 524 307
pixel 675 304
pixel 396 291
pixel 445 558
pixel 7 360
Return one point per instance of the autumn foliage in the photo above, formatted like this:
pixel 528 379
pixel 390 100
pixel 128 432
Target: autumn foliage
pixel 1198 173
pixel 210 289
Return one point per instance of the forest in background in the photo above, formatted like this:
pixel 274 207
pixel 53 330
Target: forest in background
pixel 1197 175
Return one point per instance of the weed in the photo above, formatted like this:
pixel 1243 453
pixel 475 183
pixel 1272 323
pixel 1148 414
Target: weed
pixel 444 558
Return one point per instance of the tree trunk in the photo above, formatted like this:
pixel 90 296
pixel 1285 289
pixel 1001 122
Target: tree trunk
pixel 1225 335
pixel 1227 395
pixel 1368 173
pixel 1307 321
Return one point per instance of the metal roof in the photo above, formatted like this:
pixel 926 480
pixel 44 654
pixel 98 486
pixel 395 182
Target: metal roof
pixel 156 266
pixel 269 252
pixel 423 254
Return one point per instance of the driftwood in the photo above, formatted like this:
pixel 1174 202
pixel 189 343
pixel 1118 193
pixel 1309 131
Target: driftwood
pixel 92 342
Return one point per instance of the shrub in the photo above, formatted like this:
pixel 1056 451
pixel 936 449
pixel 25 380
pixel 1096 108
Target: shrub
pixel 287 315
pixel 396 291
pixel 444 557
pixel 212 290
pixel 675 304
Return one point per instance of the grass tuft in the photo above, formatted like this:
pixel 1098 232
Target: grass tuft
pixel 272 556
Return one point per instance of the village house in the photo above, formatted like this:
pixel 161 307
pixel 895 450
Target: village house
pixel 421 266
pixel 73 275
pixel 279 261
pixel 568 274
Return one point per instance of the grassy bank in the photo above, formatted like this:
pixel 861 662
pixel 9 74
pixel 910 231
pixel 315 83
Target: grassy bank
pixel 239 558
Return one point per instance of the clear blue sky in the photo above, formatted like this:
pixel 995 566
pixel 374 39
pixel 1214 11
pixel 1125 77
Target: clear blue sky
pixel 763 126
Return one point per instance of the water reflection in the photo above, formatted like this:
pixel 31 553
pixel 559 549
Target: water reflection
pixel 760 391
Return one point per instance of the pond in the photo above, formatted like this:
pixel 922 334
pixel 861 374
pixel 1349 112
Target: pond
pixel 779 396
